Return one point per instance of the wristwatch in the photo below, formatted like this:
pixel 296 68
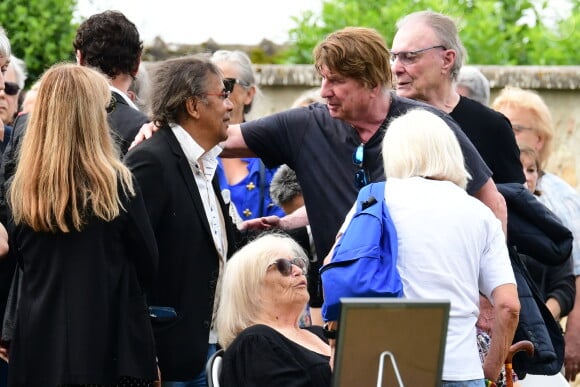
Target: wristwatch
pixel 330 330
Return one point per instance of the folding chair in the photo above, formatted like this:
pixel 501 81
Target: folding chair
pixel 213 368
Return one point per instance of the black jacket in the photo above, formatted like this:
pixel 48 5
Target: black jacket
pixel 535 231
pixel 188 258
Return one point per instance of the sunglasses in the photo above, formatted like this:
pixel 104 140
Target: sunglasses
pixel 361 177
pixel 284 265
pixel 229 83
pixel 11 88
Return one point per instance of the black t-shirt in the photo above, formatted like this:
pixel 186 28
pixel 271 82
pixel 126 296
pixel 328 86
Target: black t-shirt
pixel 319 149
pixel 262 357
pixel 493 137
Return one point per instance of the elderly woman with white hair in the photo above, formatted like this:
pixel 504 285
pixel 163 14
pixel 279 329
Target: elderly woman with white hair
pixel 450 245
pixel 264 292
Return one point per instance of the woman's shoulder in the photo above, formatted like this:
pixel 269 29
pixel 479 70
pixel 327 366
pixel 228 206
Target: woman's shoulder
pixel 261 332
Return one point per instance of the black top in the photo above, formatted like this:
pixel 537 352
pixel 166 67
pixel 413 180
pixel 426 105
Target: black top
pixel 492 135
pixel 319 149
pixel 262 357
pixel 554 281
pixel 82 315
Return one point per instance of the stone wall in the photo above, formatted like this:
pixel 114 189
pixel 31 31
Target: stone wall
pixel 559 86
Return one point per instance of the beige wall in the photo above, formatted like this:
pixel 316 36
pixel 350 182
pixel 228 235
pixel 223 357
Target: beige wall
pixel 558 85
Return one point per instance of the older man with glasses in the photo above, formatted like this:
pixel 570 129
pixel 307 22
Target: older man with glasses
pixel 194 234
pixel 427 55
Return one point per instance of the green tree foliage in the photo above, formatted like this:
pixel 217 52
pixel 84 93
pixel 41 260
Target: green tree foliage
pixel 513 32
pixel 40 32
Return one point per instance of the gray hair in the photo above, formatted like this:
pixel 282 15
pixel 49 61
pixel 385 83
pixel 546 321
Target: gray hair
pixel 174 81
pixel 284 185
pixel 473 80
pixel 243 66
pixel 140 87
pixel 445 30
pixel 19 70
pixel 5 49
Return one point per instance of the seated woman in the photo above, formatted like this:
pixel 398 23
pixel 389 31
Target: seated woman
pixel 264 291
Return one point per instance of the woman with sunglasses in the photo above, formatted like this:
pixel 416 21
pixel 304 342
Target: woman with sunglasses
pixel 263 294
pixel 247 179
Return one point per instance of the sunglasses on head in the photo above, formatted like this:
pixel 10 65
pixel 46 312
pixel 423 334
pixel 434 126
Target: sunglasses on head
pixel 284 265
pixel 361 177
pixel 11 88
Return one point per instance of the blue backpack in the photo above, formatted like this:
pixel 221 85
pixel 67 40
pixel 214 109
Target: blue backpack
pixel 364 262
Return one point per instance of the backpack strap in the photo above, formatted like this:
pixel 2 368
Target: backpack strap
pixel 369 195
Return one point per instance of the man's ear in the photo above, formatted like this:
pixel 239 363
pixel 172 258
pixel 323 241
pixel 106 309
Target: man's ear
pixel 135 70
pixel 449 58
pixel 192 107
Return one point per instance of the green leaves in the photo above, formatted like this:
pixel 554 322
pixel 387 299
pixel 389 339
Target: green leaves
pixel 40 32
pixel 510 32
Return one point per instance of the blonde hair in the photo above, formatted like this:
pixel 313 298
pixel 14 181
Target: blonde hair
pixel 68 167
pixel 535 107
pixel 419 143
pixel 240 302
pixel 360 53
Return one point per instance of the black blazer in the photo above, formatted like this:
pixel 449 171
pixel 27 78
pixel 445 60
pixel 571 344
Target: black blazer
pixel 82 316
pixel 125 122
pixel 188 259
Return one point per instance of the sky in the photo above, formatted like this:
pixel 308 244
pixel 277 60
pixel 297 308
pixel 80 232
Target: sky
pixel 196 21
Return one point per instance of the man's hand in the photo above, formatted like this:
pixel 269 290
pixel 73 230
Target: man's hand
pixel 297 219
pixel 506 310
pixel 263 223
pixel 145 132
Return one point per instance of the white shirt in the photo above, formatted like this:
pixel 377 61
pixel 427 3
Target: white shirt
pixel 124 96
pixel 450 247
pixel 203 166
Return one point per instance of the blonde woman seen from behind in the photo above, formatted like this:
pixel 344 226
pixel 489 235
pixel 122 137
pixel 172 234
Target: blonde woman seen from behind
pixel 84 243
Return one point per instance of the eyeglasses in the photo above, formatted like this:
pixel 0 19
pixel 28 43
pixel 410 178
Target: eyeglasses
pixel 284 265
pixel 111 106
pixel 361 177
pixel 225 94
pixel 521 128
pixel 409 57
pixel 229 83
pixel 11 88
